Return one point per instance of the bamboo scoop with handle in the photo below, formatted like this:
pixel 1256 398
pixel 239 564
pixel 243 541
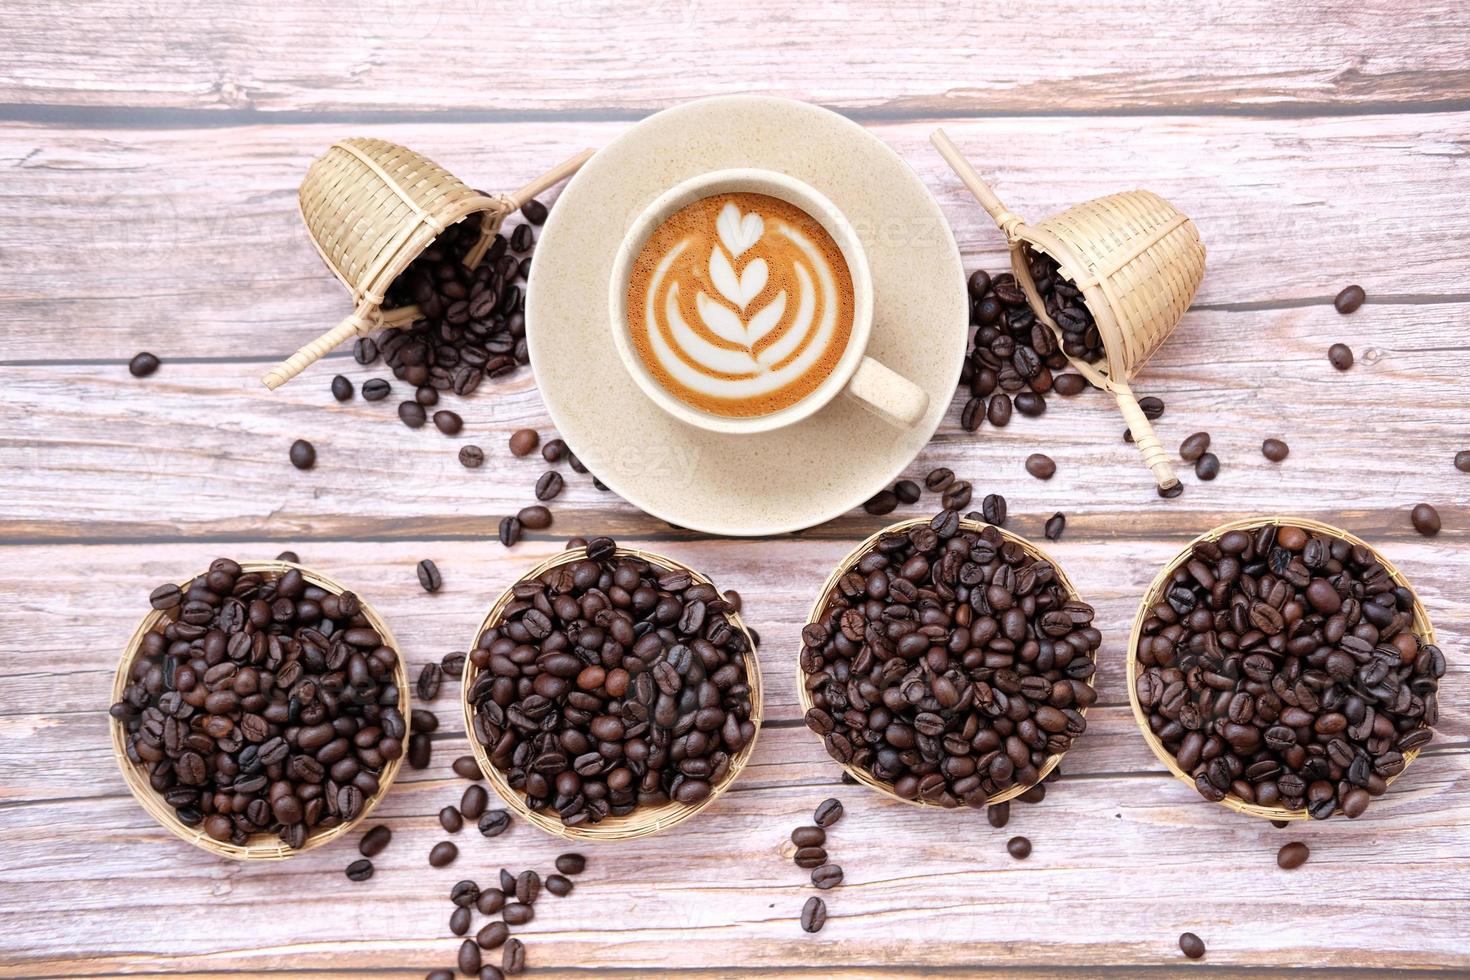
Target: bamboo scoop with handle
pixel 1138 262
pixel 372 207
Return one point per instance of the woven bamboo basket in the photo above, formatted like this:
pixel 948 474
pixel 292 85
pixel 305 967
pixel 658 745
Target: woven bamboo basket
pixel 1138 262
pixel 1155 594
pixel 263 846
pixel 825 596
pixel 645 820
pixel 372 207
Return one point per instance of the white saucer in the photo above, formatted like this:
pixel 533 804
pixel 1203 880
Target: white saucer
pixel 778 481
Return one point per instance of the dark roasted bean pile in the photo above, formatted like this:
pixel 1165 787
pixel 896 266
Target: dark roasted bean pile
pixel 949 664
pixel 611 684
pixel 263 704
pixel 1064 304
pixel 1282 667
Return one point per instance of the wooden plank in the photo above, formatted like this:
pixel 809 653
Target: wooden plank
pixel 123 240
pixel 893 58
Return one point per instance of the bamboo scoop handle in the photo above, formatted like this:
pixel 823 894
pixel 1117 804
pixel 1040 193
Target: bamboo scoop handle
pixel 1006 219
pixel 1154 455
pixel 514 201
pixel 360 321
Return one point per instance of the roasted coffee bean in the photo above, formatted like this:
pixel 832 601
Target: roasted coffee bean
pixel 826 876
pixel 474 801
pixel 1029 403
pixel 534 518
pixel 426 395
pixel 813 915
pixel 488 972
pixel 342 389
pixel 429 577
pixel 998 814
pixel 1349 299
pixel 491 901
pixel 1275 450
pixel 471 457
pixel 1280 668
pixel 430 676
pixel 1153 408
pixel 464 893
pixel 1172 490
pixel 999 411
pixel 528 887
pixel 459 920
pixel 442 854
pixel 513 957
pixel 451 820
pixel 465 767
pixel 412 414
pixel 523 442
pixel 494 935
pixel 559 885
pixel 360 870
pixel 1191 945
pixel 957 495
pixel 510 531
pixel 549 485
pixel 945 712
pixel 303 454
pixel 1041 466
pixel 553 451
pixel 1462 461
pixel 571 864
pixel 374 841
pixel 1207 467
pixel 469 957
pixel 420 749
pixel 493 823
pixel 1019 848
pixel 1292 855
pixel 993 509
pixel 452 665
pixel 262 704
pixel 907 491
pixel 828 812
pixel 1425 519
pixel 808 836
pixel 1341 356
pixel 375 389
pixel 289 556
pixel 1069 384
pixel 882 502
pixel 534 212
pixel 517 914
pixel 439 975
pixel 423 720
pixel 142 365
pixel 365 350
pixel 972 414
pixel 938 479
pixel 448 422
pixel 1194 446
pixel 1055 525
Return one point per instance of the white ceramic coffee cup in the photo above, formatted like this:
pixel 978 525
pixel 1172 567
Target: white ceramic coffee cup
pixel 879 389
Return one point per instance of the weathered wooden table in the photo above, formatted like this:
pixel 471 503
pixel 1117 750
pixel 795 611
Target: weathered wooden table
pixel 151 153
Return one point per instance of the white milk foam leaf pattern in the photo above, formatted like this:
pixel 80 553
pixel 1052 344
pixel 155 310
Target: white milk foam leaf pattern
pixel 740 304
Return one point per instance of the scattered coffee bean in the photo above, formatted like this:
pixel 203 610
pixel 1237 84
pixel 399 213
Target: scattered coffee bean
pixel 907 491
pixel 534 212
pixel 813 914
pixel 451 820
pixel 524 441
pixel 375 389
pixel 426 395
pixel 471 457
pixel 420 750
pixel 939 479
pixel 412 414
pixel 374 841
pixel 342 389
pixel 808 836
pixel 1207 467
pixel 517 914
pixel 571 864
pixel 143 364
pixel 733 599
pixel 826 876
pixel 1462 461
pixel 448 422
pixel 957 495
pixel 1153 408
pixel 1041 466
pixel 993 509
pixel 1191 945
pixel 882 502
pixel 439 975
pixel 1349 299
pixel 809 857
pixel 452 665
pixel 1275 450
pixel 465 767
pixel 442 854
pixel 494 935
pixel 1425 519
pixel 488 972
pixel 464 893
pixel 510 531
pixel 469 957
pixel 559 885
pixel 695 683
pixel 828 812
pixel 1033 795
pixel 513 957
pixel 365 350
pixel 998 814
pixel 429 576
pixel 303 454
pixel 962 706
pixel 1281 667
pixel 491 901
pixel 549 485
pixel 289 556
pixel 1292 855
pixel 1194 446
pixel 1055 525
pixel 554 450
pixel 999 411
pixel 360 870
pixel 493 823
pixel 534 518
pixel 430 676
pixel 474 801
pixel 972 414
pixel 459 920
pixel 1019 848
pixel 423 720
pixel 1069 384
pixel 1171 491
pixel 239 744
pixel 1341 356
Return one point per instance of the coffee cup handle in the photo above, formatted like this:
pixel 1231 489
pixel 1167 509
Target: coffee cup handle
pixel 888 394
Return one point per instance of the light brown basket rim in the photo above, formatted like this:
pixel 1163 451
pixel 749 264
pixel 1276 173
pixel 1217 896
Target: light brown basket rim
pixel 643 821
pixel 1423 628
pixel 262 846
pixel 824 596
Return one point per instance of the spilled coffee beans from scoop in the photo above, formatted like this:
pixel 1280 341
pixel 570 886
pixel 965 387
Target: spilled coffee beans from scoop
pixel 949 664
pixel 262 704
pixel 610 684
pixel 1281 667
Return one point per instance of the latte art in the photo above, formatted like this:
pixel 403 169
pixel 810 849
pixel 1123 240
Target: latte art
pixel 740 304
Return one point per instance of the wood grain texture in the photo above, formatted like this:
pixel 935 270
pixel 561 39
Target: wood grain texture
pixel 882 57
pixel 151 153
